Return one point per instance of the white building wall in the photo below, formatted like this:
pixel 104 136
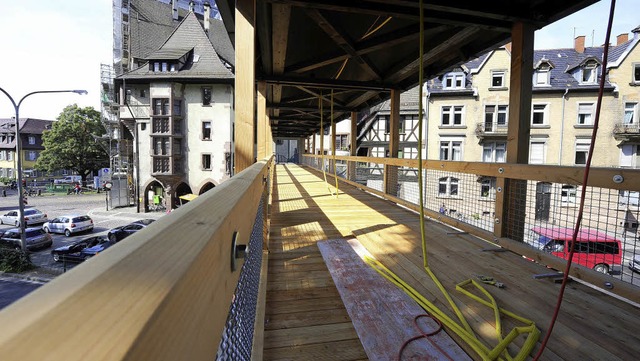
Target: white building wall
pixel 220 114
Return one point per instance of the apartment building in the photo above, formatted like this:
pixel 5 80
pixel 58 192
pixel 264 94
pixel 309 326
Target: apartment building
pixel 466 119
pixel 31 135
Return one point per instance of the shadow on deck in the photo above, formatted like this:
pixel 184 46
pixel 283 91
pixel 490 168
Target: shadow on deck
pixel 305 317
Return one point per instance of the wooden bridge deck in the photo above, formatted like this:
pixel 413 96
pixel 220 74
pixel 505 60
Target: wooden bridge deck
pixel 306 320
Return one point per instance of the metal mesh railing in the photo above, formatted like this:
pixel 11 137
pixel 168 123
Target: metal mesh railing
pixel 237 337
pixel 473 199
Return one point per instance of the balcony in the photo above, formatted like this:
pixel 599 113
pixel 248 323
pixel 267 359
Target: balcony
pixel 166 292
pixel 491 131
pixel 135 111
pixel 626 132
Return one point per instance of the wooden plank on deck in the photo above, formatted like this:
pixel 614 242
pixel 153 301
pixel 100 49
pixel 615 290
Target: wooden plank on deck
pixel 382 314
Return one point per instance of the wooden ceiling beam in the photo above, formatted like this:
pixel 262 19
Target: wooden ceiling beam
pixel 305 109
pixel 459 39
pixel 382 42
pixel 318 95
pixel 398 10
pixel 327 83
pixel 281 18
pixel 341 39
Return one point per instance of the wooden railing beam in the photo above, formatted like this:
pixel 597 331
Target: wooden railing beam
pixel 161 294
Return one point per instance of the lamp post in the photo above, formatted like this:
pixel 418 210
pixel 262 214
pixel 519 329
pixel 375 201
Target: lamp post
pixel 19 149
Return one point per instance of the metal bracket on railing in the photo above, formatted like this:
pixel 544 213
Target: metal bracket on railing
pixel 237 251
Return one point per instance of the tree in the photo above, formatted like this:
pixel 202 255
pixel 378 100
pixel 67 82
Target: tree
pixel 71 143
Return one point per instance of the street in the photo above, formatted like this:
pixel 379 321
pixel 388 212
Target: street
pixel 93 205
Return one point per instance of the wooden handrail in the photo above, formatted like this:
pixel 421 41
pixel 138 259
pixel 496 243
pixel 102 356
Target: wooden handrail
pixel 599 177
pixel 161 294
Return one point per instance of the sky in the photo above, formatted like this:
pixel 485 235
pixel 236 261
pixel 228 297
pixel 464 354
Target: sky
pixel 60 44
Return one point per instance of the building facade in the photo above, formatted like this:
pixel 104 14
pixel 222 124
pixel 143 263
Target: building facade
pixel 31 136
pixel 178 108
pixel 466 119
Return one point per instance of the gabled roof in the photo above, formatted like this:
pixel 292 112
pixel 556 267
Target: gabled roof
pixel 204 63
pixel 151 22
pixel 562 62
pixel 28 126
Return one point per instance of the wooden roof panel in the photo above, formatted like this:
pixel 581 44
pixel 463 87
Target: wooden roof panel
pixel 362 49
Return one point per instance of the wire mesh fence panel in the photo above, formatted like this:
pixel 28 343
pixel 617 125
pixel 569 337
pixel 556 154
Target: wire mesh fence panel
pixel 237 337
pixel 468 198
pixel 529 209
pixel 546 214
pixel 371 175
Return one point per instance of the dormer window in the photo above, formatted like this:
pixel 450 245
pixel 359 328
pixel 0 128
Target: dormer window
pixel 542 74
pixel 163 67
pixel 589 73
pixel 453 81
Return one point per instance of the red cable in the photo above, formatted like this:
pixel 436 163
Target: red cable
pixel 565 277
pixel 424 335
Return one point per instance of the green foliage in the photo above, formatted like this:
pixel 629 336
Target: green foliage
pixel 14 260
pixel 70 143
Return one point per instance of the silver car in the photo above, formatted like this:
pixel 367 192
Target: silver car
pixel 69 224
pixel 31 216
pixel 35 238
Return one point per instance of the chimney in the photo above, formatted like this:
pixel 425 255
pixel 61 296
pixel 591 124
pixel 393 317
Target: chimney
pixel 174 9
pixel 207 16
pixel 579 44
pixel 622 38
pixel 192 5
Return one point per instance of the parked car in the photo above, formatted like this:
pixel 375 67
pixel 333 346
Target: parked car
pixel 119 233
pixel 593 249
pixel 73 251
pixel 92 251
pixel 35 238
pixel 69 224
pixel 68 179
pixel 31 216
pixel 634 264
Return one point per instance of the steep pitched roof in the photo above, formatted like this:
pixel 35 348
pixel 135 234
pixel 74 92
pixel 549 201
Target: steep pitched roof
pixel 202 63
pixel 28 126
pixel 564 62
pixel 151 22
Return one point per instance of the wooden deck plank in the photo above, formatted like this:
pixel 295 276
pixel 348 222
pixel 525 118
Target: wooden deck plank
pixel 383 315
pixel 339 350
pixel 590 326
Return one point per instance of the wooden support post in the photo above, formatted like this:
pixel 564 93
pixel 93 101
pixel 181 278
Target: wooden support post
pixel 300 151
pixel 512 200
pixel 270 145
pixel 353 147
pixel 313 145
pixel 333 145
pixel 262 120
pixel 391 172
pixel 245 78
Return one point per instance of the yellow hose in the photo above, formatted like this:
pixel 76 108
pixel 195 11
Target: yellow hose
pixel 462 329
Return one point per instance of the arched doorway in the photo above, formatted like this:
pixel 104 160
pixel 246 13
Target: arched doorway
pixel 154 197
pixel 181 190
pixel 207 186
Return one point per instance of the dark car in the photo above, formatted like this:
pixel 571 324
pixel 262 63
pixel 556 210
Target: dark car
pixel 92 251
pixel 35 238
pixel 119 233
pixel 73 251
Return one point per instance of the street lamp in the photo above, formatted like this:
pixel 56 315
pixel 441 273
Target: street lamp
pixel 19 149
